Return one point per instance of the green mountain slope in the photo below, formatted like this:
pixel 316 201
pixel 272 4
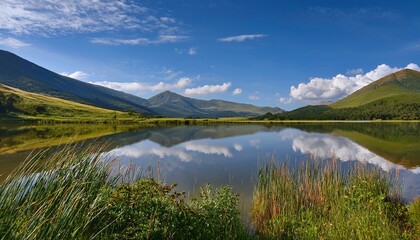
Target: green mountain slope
pixel 18 104
pixel 396 96
pixel 22 74
pixel 172 104
pixel 397 84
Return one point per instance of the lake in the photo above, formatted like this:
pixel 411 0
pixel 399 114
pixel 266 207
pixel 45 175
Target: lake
pixel 230 154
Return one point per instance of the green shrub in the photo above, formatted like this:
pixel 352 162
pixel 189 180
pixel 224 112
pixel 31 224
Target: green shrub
pixel 149 210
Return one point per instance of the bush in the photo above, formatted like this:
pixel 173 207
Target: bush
pixel 149 210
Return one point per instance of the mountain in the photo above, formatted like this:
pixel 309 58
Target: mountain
pixel 16 104
pixel 172 104
pixel 27 76
pixel 402 84
pixel 395 96
pixel 19 73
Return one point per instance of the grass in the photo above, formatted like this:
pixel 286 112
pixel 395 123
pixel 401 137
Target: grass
pixel 323 201
pixel 26 106
pixel 79 195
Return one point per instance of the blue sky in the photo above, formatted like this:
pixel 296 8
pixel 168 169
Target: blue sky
pixel 277 53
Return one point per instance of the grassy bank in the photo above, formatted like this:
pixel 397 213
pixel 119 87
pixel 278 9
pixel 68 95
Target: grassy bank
pixel 321 201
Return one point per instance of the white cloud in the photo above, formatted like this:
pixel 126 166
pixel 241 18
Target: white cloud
pixel 138 41
pixel 237 91
pixel 192 51
pixel 169 74
pixel 76 75
pixel 206 89
pixel 119 41
pixel 241 38
pixel 285 100
pixel 139 87
pixel 353 72
pixel 320 89
pixel 54 17
pixel 13 43
pixel 253 97
pixel 208 149
pixel 167 19
pixel 140 150
pixel 238 147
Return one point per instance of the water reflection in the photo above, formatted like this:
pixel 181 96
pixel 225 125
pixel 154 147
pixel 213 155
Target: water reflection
pixel 332 146
pixel 230 154
pixel 194 155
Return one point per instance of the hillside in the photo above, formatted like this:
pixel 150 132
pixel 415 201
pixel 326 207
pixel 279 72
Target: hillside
pixel 172 104
pixel 27 76
pixel 18 104
pixel 397 84
pixel 396 96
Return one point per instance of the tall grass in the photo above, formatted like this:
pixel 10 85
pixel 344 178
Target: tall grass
pixel 52 197
pixel 320 200
pixel 75 194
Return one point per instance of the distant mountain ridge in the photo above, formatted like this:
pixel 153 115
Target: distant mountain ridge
pixel 172 104
pixel 24 75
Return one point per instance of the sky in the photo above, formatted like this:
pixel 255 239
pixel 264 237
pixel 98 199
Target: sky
pixel 267 53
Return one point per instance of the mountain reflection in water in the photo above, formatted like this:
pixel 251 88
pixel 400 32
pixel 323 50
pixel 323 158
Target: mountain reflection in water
pixel 230 154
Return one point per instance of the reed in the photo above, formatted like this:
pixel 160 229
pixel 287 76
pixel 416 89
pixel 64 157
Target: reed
pixel 322 200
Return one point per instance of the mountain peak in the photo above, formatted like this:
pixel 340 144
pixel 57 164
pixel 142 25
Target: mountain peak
pixel 403 74
pixel 400 83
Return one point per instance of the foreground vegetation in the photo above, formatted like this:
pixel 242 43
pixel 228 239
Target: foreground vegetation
pixel 322 201
pixel 76 196
pixel 73 194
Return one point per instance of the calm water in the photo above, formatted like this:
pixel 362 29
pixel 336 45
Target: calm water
pixel 194 155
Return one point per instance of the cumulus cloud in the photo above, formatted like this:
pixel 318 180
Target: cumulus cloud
pixel 13 43
pixel 54 17
pixel 321 89
pixel 139 87
pixel 206 89
pixel 76 75
pixel 237 91
pixel 241 38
